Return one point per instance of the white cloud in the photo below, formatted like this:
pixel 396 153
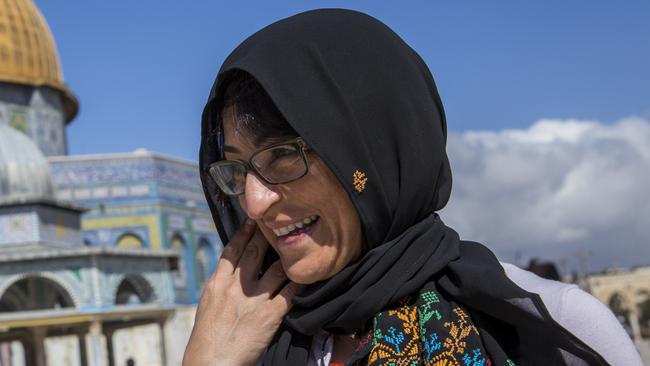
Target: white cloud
pixel 554 190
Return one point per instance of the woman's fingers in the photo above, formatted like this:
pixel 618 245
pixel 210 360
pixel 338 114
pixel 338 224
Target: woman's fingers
pixel 232 252
pixel 251 260
pixel 283 301
pixel 235 321
pixel 272 280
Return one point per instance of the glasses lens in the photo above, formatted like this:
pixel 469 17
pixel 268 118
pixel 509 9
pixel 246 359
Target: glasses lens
pixel 230 176
pixel 280 164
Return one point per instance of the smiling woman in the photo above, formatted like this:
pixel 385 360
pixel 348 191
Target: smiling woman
pixel 325 135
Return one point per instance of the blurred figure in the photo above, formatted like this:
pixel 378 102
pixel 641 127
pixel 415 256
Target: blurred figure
pixel 544 269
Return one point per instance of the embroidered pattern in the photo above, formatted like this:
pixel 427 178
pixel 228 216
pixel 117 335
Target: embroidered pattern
pixel 423 331
pixel 474 358
pixel 398 344
pixel 427 330
pixel 359 180
pixel 426 309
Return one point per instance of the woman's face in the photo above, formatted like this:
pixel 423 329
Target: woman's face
pixel 330 236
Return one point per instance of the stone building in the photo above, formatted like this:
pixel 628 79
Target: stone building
pixel 51 283
pixel 627 293
pixel 103 257
pixel 144 200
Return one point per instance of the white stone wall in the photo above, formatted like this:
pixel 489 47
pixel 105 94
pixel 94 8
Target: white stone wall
pixel 142 343
pixel 18 227
pixel 632 286
pixel 62 351
pixel 177 333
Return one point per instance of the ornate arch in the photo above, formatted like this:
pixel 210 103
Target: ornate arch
pixel 176 239
pixel 16 296
pixel 129 240
pixel 134 284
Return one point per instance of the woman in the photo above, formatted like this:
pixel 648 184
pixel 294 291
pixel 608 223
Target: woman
pixel 324 133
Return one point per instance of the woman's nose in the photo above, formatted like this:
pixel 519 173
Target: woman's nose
pixel 258 197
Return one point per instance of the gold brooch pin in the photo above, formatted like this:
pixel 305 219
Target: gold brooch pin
pixel 359 180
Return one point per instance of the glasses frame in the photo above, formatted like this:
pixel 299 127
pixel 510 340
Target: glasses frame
pixel 297 142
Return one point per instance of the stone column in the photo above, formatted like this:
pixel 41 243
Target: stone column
pixel 163 348
pixel 38 344
pixel 96 345
pixel 5 353
pixel 108 333
pixel 81 340
pixel 28 349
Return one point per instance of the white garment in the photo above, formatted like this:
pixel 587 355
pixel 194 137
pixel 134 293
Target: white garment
pixel 577 311
pixel 581 314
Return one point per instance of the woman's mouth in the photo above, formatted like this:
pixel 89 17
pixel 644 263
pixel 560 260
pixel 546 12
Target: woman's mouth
pixel 293 231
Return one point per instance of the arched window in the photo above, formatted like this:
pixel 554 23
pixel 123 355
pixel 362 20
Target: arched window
pixel 134 289
pixel 129 240
pixel 35 293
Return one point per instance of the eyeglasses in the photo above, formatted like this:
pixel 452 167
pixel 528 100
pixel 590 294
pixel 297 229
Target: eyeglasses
pixel 279 163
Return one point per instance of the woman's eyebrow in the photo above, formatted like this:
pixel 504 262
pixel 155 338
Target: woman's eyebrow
pixel 231 149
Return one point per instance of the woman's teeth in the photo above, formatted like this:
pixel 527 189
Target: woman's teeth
pixel 296 225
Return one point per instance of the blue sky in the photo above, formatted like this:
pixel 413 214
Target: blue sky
pixel 560 89
pixel 142 69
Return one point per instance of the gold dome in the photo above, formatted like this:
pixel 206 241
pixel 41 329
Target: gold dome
pixel 28 53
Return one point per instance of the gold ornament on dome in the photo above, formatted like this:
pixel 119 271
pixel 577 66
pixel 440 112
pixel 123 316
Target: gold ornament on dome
pixel 28 53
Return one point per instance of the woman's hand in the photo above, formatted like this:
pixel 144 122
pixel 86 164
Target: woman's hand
pixel 238 315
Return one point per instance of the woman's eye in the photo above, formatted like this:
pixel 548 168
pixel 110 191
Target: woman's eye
pixel 276 158
pixel 283 153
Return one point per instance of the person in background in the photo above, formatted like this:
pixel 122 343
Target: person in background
pixel 544 269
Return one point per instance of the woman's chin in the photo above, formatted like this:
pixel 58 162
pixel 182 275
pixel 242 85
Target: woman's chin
pixel 301 278
pixel 302 273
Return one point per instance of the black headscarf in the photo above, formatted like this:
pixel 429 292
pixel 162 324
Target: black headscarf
pixel 366 103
